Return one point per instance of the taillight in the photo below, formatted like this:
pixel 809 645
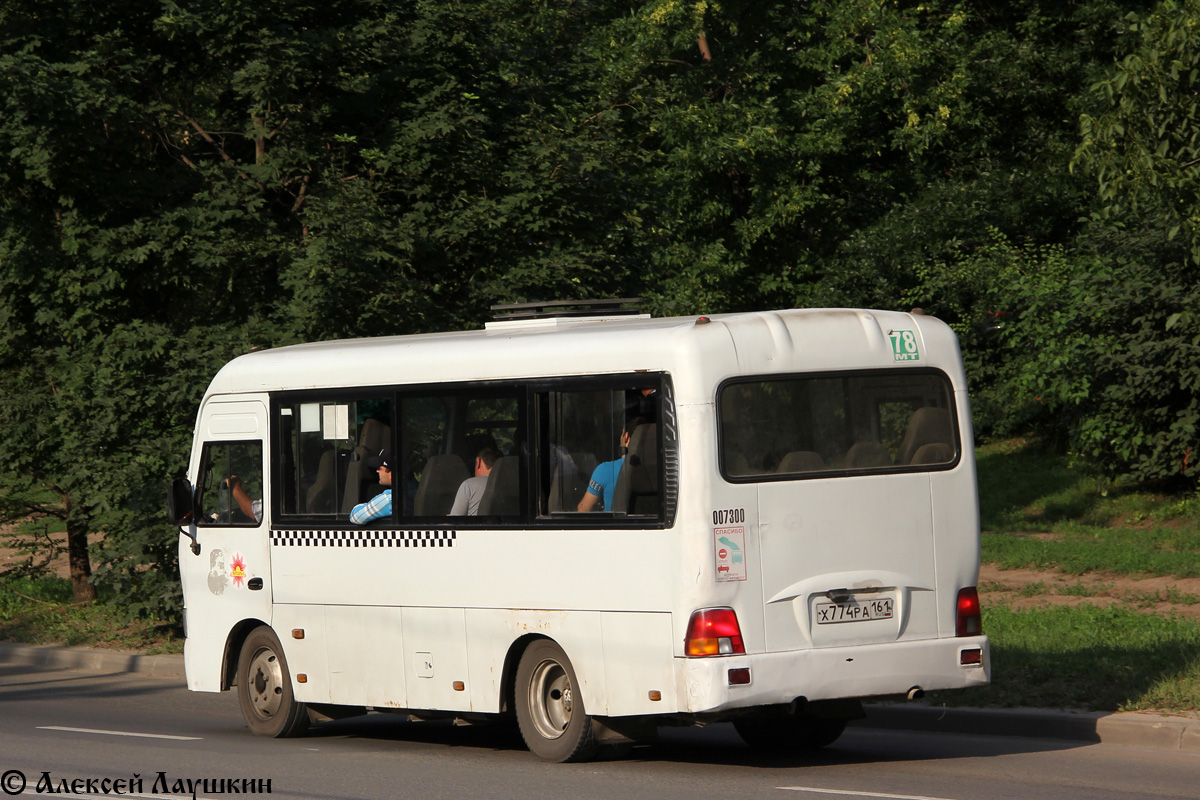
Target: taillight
pixel 713 632
pixel 968 620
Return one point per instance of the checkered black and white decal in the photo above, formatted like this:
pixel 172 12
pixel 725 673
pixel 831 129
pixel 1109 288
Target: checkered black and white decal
pixel 372 538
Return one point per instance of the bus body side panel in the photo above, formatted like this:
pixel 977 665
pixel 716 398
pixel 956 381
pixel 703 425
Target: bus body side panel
pixel 306 653
pixel 618 657
pixel 418 618
pixel 589 570
pixel 638 664
pixel 491 633
pixel 435 658
pixel 955 498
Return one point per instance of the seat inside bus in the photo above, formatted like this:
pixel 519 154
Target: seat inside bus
pixel 933 453
pixel 501 495
pixel 801 461
pixel 372 439
pixel 440 480
pixel 637 484
pixel 928 425
pixel 320 497
pixel 569 480
pixel 864 455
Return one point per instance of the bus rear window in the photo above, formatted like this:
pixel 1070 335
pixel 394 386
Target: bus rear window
pixel 793 426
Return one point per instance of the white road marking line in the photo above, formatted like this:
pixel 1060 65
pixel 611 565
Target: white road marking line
pixel 848 793
pixel 120 733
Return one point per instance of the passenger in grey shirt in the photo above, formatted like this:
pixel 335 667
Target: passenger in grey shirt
pixel 470 491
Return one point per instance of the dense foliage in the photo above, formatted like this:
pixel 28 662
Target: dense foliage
pixel 182 182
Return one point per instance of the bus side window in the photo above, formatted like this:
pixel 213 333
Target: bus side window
pixel 600 451
pixel 231 489
pixel 463 452
pixel 428 476
pixel 323 447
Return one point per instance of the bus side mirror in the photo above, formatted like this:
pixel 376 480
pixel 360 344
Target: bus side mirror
pixel 181 509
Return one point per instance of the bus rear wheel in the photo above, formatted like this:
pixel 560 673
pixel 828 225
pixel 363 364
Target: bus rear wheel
pixel 264 688
pixel 792 733
pixel 550 710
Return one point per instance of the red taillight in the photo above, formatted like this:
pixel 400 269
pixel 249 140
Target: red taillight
pixel 713 632
pixel 968 618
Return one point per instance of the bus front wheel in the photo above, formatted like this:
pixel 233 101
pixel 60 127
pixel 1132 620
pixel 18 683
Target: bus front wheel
pixel 550 709
pixel 264 688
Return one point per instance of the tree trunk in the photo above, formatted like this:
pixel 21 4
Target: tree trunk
pixel 82 587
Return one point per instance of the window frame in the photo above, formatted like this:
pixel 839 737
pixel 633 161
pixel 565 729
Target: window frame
pixel 529 440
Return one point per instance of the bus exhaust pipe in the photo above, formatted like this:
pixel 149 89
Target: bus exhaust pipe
pixel 916 693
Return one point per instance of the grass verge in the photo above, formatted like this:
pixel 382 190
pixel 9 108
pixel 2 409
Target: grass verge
pixel 1121 551
pixel 1042 512
pixel 1088 658
pixel 41 611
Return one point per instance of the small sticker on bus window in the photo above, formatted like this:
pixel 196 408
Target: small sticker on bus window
pixel 336 422
pixel 731 553
pixel 310 418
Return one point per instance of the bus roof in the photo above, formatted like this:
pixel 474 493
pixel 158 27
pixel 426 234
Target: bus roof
pixel 719 345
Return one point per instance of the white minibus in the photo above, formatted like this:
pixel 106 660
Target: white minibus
pixel 596 522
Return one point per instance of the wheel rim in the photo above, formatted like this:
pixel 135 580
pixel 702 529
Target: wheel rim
pixel 551 699
pixel 264 683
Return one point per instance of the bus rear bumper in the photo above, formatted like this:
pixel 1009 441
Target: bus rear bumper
pixel 718 684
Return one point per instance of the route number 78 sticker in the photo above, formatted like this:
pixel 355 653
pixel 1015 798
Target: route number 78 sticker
pixel 904 346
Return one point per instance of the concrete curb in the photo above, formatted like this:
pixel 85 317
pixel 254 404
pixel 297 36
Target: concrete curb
pixel 92 660
pixel 1129 728
pixel 1132 729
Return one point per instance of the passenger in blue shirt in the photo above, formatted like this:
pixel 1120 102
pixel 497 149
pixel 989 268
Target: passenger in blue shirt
pixel 602 487
pixel 381 504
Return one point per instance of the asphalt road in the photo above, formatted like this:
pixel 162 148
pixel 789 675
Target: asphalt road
pixel 59 728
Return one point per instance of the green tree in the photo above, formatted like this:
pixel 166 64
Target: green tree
pixel 1096 350
pixel 814 154
pixel 182 182
pixel 100 306
pixel 1143 141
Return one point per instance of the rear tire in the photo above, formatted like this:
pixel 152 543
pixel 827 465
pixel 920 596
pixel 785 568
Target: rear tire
pixel 264 688
pixel 550 710
pixel 788 734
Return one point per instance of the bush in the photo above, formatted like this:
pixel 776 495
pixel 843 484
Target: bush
pixel 1096 349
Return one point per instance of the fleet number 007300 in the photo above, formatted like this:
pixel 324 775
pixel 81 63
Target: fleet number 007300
pixel 729 516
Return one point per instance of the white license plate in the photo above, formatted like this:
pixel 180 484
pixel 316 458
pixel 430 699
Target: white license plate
pixel 854 610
